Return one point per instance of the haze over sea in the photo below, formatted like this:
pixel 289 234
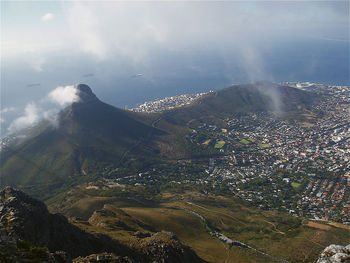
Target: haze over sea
pixel 177 72
pixel 129 53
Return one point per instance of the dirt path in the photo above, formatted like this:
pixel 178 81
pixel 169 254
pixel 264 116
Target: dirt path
pixel 276 230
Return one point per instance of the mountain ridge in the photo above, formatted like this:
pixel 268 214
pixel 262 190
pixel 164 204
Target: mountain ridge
pixel 260 96
pixel 92 135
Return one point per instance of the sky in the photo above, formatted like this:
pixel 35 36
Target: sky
pixel 129 52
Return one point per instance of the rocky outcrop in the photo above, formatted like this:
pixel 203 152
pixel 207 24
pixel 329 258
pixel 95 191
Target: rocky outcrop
pixel 23 218
pixel 165 247
pixel 335 254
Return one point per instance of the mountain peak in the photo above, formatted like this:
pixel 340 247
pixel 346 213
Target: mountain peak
pixel 85 93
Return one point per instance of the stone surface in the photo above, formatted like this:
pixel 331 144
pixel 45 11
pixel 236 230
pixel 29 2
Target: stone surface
pixel 335 254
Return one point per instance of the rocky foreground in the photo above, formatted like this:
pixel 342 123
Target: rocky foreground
pixel 29 233
pixel 335 254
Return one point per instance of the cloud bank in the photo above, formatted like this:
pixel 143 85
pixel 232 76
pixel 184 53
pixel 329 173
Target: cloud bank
pixel 134 28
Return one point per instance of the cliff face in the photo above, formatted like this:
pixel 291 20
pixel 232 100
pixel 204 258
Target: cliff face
pixel 28 231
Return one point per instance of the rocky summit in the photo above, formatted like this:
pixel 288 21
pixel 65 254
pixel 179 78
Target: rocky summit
pixel 85 93
pixel 29 233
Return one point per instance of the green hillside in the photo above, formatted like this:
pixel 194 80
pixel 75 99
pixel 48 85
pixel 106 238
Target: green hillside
pixel 91 136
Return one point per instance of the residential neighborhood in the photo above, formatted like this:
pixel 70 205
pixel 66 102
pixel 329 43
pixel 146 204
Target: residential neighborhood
pixel 300 168
pixel 168 103
pixel 277 164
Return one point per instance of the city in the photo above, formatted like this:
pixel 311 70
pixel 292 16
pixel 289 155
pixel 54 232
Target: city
pixel 300 168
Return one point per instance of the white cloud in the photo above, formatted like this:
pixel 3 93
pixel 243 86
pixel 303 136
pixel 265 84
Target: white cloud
pixel 129 28
pixel 35 112
pixel 30 117
pixel 64 95
pixel 47 17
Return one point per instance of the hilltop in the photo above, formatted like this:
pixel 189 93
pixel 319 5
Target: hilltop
pixel 257 97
